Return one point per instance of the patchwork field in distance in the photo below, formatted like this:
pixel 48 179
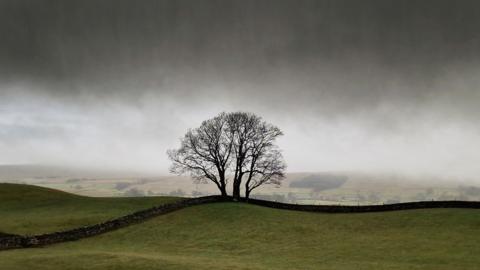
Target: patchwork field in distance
pixel 351 189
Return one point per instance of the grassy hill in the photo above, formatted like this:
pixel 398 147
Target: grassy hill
pixel 28 209
pixel 242 236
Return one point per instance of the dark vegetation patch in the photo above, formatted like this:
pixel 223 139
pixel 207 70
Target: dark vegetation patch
pixel 320 182
pixel 134 192
pixel 122 185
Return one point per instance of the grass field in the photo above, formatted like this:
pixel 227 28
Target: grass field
pixel 33 210
pixel 241 236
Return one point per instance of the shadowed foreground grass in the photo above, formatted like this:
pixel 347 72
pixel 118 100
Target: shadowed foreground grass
pixel 28 209
pixel 242 236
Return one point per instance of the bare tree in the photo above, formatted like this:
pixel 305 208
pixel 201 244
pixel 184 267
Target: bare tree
pixel 266 167
pixel 239 143
pixel 256 155
pixel 241 131
pixel 205 153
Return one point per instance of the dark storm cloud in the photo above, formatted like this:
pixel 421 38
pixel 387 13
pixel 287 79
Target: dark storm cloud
pixel 106 47
pixel 75 40
pixel 339 76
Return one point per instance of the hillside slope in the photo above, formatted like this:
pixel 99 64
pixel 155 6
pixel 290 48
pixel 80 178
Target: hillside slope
pixel 29 209
pixel 242 236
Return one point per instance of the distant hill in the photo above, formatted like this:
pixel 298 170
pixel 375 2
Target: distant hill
pixel 28 171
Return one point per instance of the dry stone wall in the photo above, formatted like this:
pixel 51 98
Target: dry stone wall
pixel 17 241
pixel 366 208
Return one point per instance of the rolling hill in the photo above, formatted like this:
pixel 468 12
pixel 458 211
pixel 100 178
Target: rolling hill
pixel 28 209
pixel 242 236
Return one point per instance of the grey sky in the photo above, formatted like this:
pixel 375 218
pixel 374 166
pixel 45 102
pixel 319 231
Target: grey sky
pixel 355 85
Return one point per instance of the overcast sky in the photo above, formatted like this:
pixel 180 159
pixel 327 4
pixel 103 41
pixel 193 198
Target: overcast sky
pixel 374 86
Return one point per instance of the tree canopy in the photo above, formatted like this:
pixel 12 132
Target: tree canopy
pixel 239 145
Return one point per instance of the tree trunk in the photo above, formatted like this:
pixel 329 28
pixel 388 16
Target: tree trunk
pixel 222 186
pixel 236 190
pixel 247 193
pixel 223 190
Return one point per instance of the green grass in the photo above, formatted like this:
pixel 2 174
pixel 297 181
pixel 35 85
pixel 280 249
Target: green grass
pixel 241 236
pixel 32 210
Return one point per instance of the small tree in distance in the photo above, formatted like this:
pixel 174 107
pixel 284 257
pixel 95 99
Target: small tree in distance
pixel 240 144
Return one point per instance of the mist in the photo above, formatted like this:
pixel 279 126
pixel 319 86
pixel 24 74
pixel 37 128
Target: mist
pixel 371 86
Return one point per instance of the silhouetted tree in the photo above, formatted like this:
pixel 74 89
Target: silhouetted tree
pixel 205 153
pixel 257 156
pixel 239 143
pixel 267 168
